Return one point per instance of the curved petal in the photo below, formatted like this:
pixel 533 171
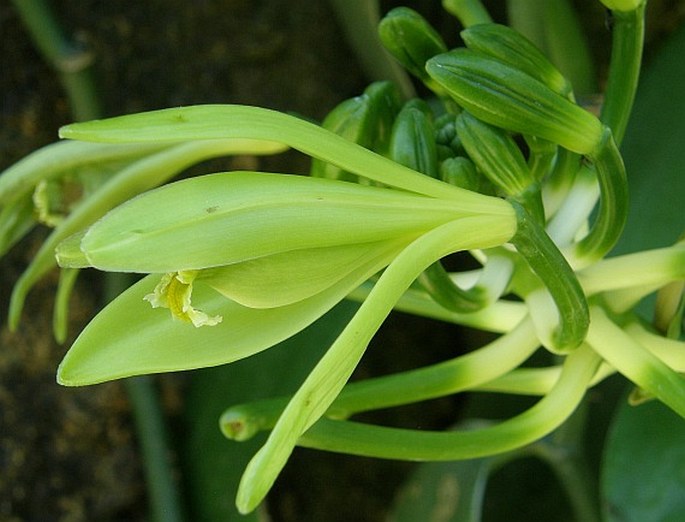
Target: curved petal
pixel 128 337
pixel 225 218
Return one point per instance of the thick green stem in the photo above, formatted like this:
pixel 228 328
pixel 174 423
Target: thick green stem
pixel 469 12
pixel 449 377
pixel 549 264
pixel 359 20
pixel 624 71
pixel 552 25
pixel 637 363
pixel 613 204
pixel 71 62
pixel 153 439
pixel 393 443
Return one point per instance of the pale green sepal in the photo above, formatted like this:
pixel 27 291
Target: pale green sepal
pixel 246 215
pixel 60 314
pixel 206 122
pixel 16 219
pixel 128 337
pixel 622 5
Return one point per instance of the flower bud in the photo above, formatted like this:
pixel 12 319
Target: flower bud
pixel 412 143
pixel 511 47
pixel 247 215
pixel 496 155
pixel 506 97
pixel 461 172
pixel 411 40
pixel 365 120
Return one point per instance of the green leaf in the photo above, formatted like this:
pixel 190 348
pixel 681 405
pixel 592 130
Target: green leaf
pixel 643 476
pixel 445 491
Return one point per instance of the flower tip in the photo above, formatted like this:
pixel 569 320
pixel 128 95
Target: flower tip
pixel 66 131
pixel 69 254
pixel 622 5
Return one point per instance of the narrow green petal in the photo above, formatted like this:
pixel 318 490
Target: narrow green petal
pixel 57 158
pixel 204 122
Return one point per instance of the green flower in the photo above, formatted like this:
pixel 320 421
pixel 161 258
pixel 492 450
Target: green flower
pixel 283 249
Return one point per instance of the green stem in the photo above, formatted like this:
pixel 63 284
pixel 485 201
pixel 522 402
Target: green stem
pixel 446 378
pixel 624 70
pixel 71 62
pixel 551 267
pixel 437 282
pixel 153 438
pixel 469 12
pixel 359 20
pixel 613 204
pixel 552 25
pixel 394 443
pixel 634 361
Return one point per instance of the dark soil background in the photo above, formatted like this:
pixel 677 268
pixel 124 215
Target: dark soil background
pixel 70 455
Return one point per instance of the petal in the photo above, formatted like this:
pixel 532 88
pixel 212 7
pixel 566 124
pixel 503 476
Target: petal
pixel 283 279
pixel 231 217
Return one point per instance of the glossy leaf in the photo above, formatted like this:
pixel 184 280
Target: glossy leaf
pixel 643 474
